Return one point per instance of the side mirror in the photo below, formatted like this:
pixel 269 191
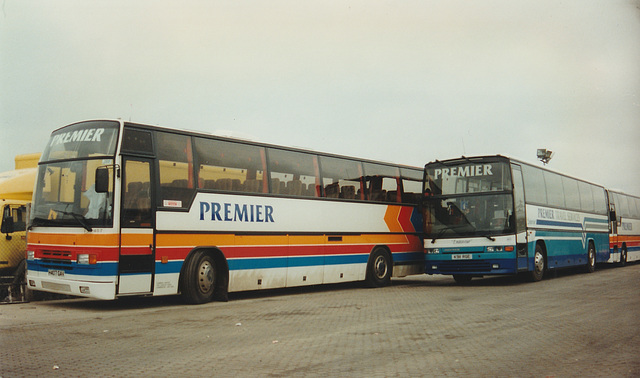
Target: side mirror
pixel 102 180
pixel 7 222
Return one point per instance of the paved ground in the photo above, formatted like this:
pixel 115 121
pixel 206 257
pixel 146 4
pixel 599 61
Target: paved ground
pixel 570 325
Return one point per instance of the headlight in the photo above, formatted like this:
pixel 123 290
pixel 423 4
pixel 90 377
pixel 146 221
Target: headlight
pixel 86 259
pixel 433 251
pixel 31 255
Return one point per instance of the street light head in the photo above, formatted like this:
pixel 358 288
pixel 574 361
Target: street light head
pixel 544 155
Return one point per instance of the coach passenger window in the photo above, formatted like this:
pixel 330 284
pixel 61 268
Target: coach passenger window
pixel 600 200
pixel 382 182
pixel 293 173
pixel 534 188
pixel 341 178
pixel 634 205
pixel 555 193
pixel 230 166
pixel 586 197
pixel 571 193
pixel 623 205
pixel 175 161
pixel 411 185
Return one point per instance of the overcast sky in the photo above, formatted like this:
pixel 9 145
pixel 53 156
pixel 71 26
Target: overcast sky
pixel 401 81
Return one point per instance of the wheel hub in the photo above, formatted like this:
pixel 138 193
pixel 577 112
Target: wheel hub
pixel 380 267
pixel 206 277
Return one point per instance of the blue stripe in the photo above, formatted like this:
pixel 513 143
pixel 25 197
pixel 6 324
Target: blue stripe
pixel 98 270
pixel 239 264
pixel 170 267
pixel 408 256
pixel 346 259
pixel 284 262
pixel 558 223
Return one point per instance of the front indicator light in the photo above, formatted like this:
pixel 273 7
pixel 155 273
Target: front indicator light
pixel 509 248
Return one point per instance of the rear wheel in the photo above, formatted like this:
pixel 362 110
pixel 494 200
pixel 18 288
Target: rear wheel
pixel 591 259
pixel 379 268
pixel 538 264
pixel 198 280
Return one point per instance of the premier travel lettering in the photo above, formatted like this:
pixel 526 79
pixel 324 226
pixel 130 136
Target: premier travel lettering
pixel 86 135
pixel 230 212
pixel 558 215
pixel 466 171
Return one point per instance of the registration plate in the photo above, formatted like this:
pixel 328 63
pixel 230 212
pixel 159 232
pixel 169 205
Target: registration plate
pixel 461 256
pixel 56 273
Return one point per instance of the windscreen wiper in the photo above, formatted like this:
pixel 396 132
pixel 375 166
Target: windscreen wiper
pixel 489 237
pixel 439 235
pixel 80 219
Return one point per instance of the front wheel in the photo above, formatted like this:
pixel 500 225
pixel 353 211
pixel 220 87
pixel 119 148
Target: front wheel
pixel 591 259
pixel 198 280
pixel 379 268
pixel 538 264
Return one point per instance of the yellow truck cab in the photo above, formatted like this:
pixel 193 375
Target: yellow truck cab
pixel 16 189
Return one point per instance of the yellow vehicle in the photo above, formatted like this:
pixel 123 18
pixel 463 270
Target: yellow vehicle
pixel 16 188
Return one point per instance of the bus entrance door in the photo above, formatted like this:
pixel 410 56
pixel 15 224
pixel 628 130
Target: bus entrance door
pixel 136 265
pixel 520 218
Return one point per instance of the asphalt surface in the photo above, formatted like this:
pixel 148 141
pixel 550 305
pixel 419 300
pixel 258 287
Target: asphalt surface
pixel 572 324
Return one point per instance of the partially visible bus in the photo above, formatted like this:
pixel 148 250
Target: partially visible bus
pixel 127 209
pixel 492 215
pixel 624 241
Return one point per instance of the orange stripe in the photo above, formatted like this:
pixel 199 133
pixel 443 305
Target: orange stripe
pixel 73 239
pixel 391 218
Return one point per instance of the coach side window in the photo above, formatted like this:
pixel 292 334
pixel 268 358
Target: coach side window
pixel 382 183
pixel 571 193
pixel 534 187
pixel 555 193
pixel 586 196
pixel 411 185
pixel 600 200
pixel 175 160
pixel 341 178
pixel 230 166
pixel 293 173
pixel 634 207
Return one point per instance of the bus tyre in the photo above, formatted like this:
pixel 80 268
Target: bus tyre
pixel 538 264
pixel 623 256
pixel 591 259
pixel 198 280
pixel 379 268
pixel 462 279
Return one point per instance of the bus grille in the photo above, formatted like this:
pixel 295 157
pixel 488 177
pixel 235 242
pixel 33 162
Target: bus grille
pixel 57 259
pixel 464 266
pixel 57 255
